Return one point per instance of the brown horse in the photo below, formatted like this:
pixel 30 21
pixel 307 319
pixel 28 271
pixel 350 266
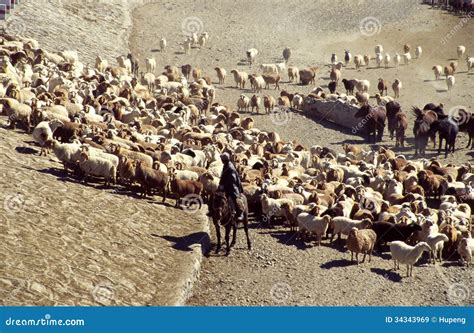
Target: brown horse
pixel 222 214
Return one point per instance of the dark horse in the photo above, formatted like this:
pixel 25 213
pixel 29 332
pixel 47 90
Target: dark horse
pixel 373 121
pixel 222 214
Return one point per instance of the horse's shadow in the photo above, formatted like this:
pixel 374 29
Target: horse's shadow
pixel 336 263
pixel 185 243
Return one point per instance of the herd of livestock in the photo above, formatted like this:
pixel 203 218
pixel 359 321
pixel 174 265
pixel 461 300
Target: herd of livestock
pixel 109 123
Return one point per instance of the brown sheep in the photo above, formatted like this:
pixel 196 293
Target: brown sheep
pixel 284 101
pixel 271 79
pixel 184 188
pixel 335 75
pixel 150 179
pixel 247 123
pixel 434 185
pixel 255 102
pixel 361 241
pixel 307 75
pixel 382 86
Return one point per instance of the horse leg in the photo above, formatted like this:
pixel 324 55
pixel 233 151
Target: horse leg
pixel 439 146
pixel 227 236
pixel 218 234
pixel 246 228
pixel 234 234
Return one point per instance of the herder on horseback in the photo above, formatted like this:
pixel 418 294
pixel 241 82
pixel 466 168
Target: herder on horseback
pixel 230 184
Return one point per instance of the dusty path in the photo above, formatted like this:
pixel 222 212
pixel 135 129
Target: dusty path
pixel 280 269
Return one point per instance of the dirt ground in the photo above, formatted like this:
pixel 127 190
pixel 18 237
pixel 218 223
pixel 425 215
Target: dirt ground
pixel 282 270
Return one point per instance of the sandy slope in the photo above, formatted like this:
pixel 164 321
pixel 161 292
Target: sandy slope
pixel 65 243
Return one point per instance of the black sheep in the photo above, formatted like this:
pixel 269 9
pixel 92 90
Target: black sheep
pixel 389 232
pixel 349 85
pixel 332 87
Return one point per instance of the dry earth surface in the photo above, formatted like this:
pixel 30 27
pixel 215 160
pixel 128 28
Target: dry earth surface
pixel 66 243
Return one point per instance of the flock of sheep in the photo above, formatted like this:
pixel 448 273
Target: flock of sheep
pixel 165 135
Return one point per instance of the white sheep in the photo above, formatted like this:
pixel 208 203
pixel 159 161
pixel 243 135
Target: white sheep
pixel 97 166
pixel 240 78
pixel 358 60
pixel 379 59
pixel 16 111
pixel 70 56
pixel 461 49
pixel 406 254
pixel 43 132
pixel 150 65
pixel 272 207
pixel 293 73
pixel 313 224
pixel 378 49
pixel 363 85
pixel 466 249
pixel 407 58
pixel 162 44
pixel 187 45
pixel 343 225
pixel 243 103
pixel 202 41
pixel 67 153
pixel 450 80
pixel 396 59
pixel 397 86
pixel 297 101
pixel 125 63
pixel 221 74
pixel 386 60
pixel 469 63
pixel 101 64
pixel 269 68
pixel 251 55
pixel 281 67
pixel 436 243
pixel 418 52
pixel 438 70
